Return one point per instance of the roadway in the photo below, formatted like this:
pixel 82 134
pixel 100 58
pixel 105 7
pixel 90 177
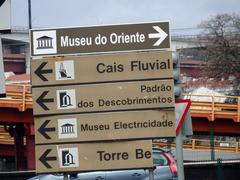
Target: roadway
pixel 205 155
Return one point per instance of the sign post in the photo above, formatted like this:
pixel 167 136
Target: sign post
pixel 2 77
pixel 181 110
pixel 179 154
pixel 80 102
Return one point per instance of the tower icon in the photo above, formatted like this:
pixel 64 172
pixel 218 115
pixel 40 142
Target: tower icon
pixel 67 158
pixel 65 99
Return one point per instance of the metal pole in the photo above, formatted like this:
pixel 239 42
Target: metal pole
pixel 65 176
pixel 169 142
pixel 212 144
pixel 179 154
pixel 151 174
pixel 220 175
pixel 2 77
pixel 28 46
pixel 29 14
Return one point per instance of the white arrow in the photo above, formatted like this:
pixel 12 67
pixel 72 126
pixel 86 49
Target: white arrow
pixel 160 34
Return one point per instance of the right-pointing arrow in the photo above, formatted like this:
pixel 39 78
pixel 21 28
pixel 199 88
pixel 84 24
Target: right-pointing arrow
pixel 43 159
pixel 43 129
pixel 161 35
pixel 40 71
pixel 41 100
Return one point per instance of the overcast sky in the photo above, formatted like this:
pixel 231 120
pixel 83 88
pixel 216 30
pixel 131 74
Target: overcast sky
pixel 62 13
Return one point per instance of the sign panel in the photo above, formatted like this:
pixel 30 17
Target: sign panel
pixel 105 126
pixel 94 156
pixel 95 39
pixel 183 117
pixel 101 68
pixel 103 97
pixel 181 110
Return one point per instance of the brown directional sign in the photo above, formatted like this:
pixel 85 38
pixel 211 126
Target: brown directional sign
pixel 95 39
pixel 105 126
pixel 108 97
pixel 94 156
pixel 101 68
pixel 81 102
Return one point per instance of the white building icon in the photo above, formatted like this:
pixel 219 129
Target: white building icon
pixel 44 42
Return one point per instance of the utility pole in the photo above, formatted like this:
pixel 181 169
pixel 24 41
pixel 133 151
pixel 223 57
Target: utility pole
pixel 29 15
pixel 212 144
pixel 179 153
pixel 27 46
pixel 178 95
pixel 2 77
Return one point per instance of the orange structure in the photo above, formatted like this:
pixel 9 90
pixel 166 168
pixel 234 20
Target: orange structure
pixel 219 116
pixel 17 122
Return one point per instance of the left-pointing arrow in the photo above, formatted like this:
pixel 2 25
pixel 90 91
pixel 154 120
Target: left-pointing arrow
pixel 161 35
pixel 43 129
pixel 42 100
pixel 45 158
pixel 40 71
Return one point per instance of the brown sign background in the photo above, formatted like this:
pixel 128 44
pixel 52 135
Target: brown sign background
pixel 89 160
pixel 106 31
pixel 99 97
pixel 109 127
pixel 85 68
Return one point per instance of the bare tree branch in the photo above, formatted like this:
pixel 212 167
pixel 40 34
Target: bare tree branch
pixel 222 33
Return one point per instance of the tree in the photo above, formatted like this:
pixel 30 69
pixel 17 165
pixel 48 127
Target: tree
pixel 221 36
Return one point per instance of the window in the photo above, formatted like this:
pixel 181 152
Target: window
pixel 159 159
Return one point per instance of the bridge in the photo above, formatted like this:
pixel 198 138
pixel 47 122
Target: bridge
pixel 215 114
pixel 17 125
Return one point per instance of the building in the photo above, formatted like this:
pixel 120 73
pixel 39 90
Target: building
pixel 15 50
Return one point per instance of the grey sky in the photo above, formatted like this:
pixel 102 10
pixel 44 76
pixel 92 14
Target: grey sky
pixel 60 13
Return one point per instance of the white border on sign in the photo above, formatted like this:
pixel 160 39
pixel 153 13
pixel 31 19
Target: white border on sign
pixel 48 33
